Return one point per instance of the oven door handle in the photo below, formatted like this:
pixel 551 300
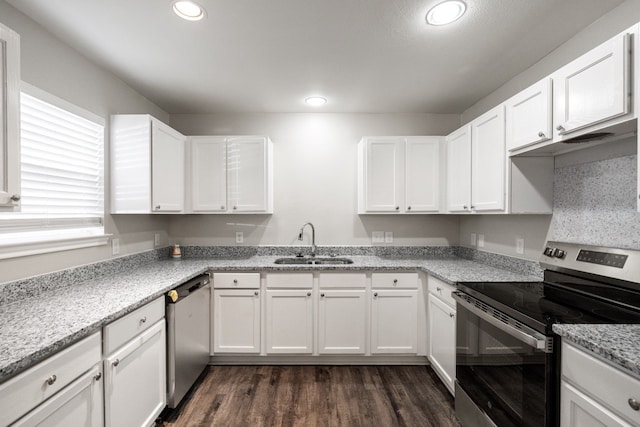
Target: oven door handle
pixel 527 335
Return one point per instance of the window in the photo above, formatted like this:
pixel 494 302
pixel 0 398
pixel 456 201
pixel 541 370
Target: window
pixel 62 179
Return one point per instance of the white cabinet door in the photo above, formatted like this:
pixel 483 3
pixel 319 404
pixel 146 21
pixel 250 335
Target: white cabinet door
pixel 167 169
pixel 382 174
pixel 208 174
pixel 422 174
pixel 528 115
pixel 459 170
pixel 79 404
pixel 394 318
pixel 135 380
pixel 442 340
pixel 289 320
pixel 236 321
pixel 593 88
pixel 341 322
pixel 579 410
pixel 488 161
pixel 248 173
pixel 9 119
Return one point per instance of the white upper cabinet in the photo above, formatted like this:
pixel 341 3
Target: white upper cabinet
pixel 9 119
pixel 399 174
pixel 459 170
pixel 230 174
pixel 528 115
pixel 147 166
pixel 488 161
pixel 593 88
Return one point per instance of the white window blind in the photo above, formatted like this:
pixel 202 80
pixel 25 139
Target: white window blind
pixel 62 168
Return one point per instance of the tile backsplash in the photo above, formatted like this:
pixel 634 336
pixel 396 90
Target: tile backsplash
pixel 595 203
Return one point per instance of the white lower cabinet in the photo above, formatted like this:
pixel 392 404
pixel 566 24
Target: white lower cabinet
pixel 394 316
pixel 135 380
pixel 236 320
pixel 289 321
pixel 341 321
pixel 442 340
pixel 579 410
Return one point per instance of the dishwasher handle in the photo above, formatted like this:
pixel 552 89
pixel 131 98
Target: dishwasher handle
pixel 187 288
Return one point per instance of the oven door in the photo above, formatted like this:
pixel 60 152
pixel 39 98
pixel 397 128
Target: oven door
pixel 504 370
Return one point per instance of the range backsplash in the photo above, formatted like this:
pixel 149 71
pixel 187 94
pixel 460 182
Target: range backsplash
pixel 595 203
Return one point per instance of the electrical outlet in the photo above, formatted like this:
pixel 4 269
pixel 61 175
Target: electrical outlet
pixel 519 245
pixel 472 241
pixel 481 240
pixel 156 239
pixel 115 246
pixel 388 236
pixel 377 237
pixel 239 237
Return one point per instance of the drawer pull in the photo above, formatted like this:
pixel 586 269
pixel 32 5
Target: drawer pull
pixel 97 376
pixel 322 295
pixel 451 315
pixel 52 379
pixel 116 362
pixel 143 320
pixel 235 281
pixel 439 289
pixel 375 294
pixel 256 293
pixel 635 405
pixel 308 294
pixel 395 282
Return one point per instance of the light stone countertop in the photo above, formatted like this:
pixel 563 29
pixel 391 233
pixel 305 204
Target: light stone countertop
pixel 619 344
pixel 35 328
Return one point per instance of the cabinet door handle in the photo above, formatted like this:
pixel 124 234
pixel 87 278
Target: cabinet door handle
pixel 438 288
pixel 256 293
pixel 235 207
pixel 397 208
pixel 308 294
pixel 97 376
pixel 322 295
pixel 15 198
pixel 635 405
pixel 451 315
pixel 157 207
pixel 541 134
pixel 472 207
pixel 559 128
pixel 116 362
pixel 408 208
pixel 375 294
pixel 143 320
pixel 52 379
pixel 222 207
pixel 464 207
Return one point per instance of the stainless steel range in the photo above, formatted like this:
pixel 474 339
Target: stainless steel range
pixel 507 356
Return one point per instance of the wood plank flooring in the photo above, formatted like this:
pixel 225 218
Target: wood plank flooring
pixel 234 396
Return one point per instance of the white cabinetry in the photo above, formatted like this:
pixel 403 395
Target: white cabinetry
pixel 236 313
pixel 399 174
pixel 595 393
pixel 442 331
pixel 342 313
pixel 147 166
pixel 459 170
pixel 43 393
pixel 394 313
pixel 289 313
pixel 135 367
pixel 230 174
pixel 9 119
pixel 592 88
pixel 529 116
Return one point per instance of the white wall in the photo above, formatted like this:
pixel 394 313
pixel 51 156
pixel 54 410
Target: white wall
pixel 51 65
pixel 315 180
pixel 500 231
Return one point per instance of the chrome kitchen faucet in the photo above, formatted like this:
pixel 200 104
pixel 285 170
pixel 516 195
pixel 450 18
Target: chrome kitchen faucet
pixel 313 237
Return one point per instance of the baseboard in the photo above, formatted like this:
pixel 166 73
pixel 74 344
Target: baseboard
pixel 243 359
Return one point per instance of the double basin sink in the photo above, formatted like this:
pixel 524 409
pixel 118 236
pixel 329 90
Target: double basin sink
pixel 313 261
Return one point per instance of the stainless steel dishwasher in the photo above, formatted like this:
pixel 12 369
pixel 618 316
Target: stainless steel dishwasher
pixel 188 312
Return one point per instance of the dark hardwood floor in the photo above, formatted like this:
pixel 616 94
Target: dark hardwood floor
pixel 233 396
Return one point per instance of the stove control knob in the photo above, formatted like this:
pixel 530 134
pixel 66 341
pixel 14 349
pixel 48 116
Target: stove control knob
pixel 548 251
pixel 559 253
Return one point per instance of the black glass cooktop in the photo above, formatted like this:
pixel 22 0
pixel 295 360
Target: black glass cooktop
pixel 559 299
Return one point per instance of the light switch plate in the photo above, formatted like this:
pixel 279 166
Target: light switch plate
pixel 115 246
pixel 472 240
pixel 388 236
pixel 239 237
pixel 156 239
pixel 377 237
pixel 481 240
pixel 519 245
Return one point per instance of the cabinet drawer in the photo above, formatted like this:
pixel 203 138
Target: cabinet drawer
pixel 603 382
pixel 34 386
pixel 442 290
pixel 122 330
pixel 290 280
pixel 394 280
pixel 236 280
pixel 342 280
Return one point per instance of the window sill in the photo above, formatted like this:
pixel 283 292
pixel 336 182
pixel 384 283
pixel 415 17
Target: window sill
pixel 39 244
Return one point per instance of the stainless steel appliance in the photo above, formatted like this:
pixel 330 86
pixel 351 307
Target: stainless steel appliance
pixel 188 312
pixel 507 356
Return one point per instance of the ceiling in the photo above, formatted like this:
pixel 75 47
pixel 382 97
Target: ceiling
pixel 267 56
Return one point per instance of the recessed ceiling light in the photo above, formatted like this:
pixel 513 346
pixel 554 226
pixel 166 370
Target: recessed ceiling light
pixel 315 101
pixel 188 10
pixel 446 12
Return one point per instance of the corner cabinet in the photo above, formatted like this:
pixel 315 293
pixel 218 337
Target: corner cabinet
pixel 529 116
pixel 147 166
pixel 229 174
pixel 9 119
pixel 399 174
pixel 442 331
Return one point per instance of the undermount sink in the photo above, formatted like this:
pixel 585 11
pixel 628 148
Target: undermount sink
pixel 313 261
